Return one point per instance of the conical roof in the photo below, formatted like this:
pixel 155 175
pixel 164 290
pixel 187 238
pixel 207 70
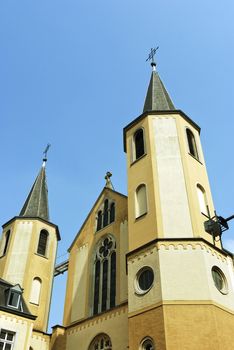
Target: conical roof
pixel 36 204
pixel 157 98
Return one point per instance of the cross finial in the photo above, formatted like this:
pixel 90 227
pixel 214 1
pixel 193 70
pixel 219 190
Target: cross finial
pixel 151 57
pixel 45 153
pixel 108 180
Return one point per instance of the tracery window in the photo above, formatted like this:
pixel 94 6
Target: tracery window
pixel 192 144
pixel 106 215
pixel 104 283
pixel 101 342
pixel 42 243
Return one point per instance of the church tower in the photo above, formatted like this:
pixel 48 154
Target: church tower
pixel 180 279
pixel 28 250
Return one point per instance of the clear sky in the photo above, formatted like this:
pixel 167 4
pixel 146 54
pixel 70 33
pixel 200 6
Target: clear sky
pixel 73 73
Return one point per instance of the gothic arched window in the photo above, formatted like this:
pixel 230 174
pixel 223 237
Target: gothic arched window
pixel 192 143
pixel 99 220
pixel 42 243
pixel 106 215
pixel 141 200
pixel 101 342
pixel 139 145
pixel 104 282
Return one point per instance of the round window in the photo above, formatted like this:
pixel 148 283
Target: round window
pixel 144 280
pixel 147 344
pixel 219 280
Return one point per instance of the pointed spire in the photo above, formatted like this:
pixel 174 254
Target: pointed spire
pixel 157 98
pixel 108 181
pixel 36 204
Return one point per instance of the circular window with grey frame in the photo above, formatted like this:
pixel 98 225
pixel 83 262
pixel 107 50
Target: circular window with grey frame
pixel 144 280
pixel 219 280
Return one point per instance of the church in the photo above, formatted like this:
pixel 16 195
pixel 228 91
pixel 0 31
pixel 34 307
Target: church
pixel 146 271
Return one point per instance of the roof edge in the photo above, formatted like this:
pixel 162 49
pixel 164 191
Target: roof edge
pixel 143 115
pixel 37 218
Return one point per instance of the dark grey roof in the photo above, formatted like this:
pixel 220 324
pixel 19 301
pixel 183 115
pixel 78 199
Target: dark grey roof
pixel 36 204
pixel 22 310
pixel 157 98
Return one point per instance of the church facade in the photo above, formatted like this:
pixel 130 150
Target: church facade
pixel 146 271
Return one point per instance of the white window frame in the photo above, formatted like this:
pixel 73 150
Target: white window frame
pixel 5 341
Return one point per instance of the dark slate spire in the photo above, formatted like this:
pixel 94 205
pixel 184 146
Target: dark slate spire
pixel 157 98
pixel 36 204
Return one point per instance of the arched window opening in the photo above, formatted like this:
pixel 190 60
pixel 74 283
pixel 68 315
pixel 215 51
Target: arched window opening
pixel 99 220
pixel 104 282
pixel 101 342
pixel 113 280
pixel 112 212
pixel 7 238
pixel 35 291
pixel 106 213
pixel 139 143
pixel 147 344
pixel 96 287
pixel 192 144
pixel 202 200
pixel 141 201
pixel 42 243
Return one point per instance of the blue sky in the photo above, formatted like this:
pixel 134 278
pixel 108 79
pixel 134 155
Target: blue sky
pixel 73 73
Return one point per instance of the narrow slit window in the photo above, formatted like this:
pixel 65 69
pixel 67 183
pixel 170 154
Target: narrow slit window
pixel 192 144
pixel 96 287
pixel 113 280
pixel 42 244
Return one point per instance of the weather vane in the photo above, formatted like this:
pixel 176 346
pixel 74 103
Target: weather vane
pixel 151 56
pixel 46 151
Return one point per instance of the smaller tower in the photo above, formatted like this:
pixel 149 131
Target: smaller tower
pixel 28 250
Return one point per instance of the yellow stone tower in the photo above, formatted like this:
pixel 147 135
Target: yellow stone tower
pixel 180 279
pixel 28 250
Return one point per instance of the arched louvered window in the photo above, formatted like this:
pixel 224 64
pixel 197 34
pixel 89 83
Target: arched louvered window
pixel 42 243
pixel 104 283
pixel 106 213
pixel 112 212
pixel 192 144
pixel 7 238
pixel 139 144
pixel 141 200
pixel 35 291
pixel 202 200
pixel 99 220
pixel 101 342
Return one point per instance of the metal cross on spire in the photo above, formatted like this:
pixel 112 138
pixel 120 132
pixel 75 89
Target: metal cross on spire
pixel 45 153
pixel 151 56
